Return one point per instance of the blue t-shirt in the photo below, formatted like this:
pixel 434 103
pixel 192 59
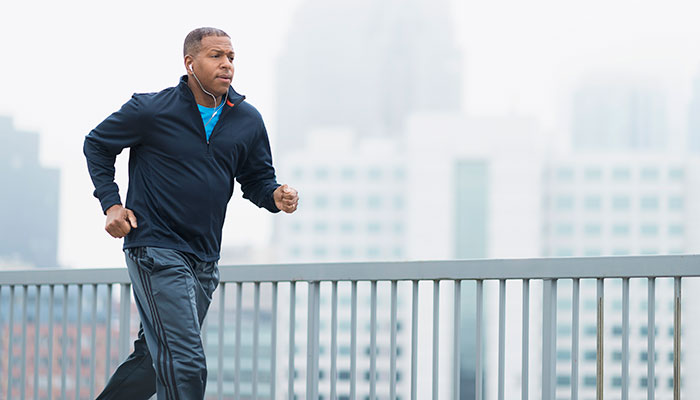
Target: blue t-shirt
pixel 209 122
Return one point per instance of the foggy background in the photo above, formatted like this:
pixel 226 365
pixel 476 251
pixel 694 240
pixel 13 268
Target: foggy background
pixel 412 129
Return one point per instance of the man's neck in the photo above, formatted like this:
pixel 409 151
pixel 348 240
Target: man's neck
pixel 200 97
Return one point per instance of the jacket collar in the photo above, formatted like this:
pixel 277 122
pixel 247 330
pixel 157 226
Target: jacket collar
pixel 234 98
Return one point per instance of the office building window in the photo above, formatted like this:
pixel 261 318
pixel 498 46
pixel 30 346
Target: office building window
pixel 593 203
pixel 675 203
pixel 649 203
pixel 621 174
pixel 565 174
pixel 649 230
pixel 593 174
pixel 564 202
pixel 620 229
pixel 621 203
pixel 649 174
pixel 676 174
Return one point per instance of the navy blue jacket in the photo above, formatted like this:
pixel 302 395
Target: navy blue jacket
pixel 180 184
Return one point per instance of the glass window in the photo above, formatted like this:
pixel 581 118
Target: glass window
pixel 373 252
pixel 563 380
pixel 374 227
pixel 298 173
pixel 347 227
pixel 649 174
pixel 649 203
pixel 593 202
pixel 347 173
pixel 321 201
pixel 398 227
pixel 649 229
pixel 321 173
pixel 676 174
pixel 295 227
pixel 593 174
pixel 398 202
pixel 320 227
pixel 563 252
pixel 564 202
pixel 347 252
pixel 589 355
pixel 591 252
pixel 620 229
pixel 620 252
pixel 399 174
pixel 621 174
pixel 565 174
pixel 374 173
pixel 347 201
pixel 565 229
pixel 675 203
pixel 320 251
pixel 374 201
pixel 649 251
pixel 589 380
pixel 621 203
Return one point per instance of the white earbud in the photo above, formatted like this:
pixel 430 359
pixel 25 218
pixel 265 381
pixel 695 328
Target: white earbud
pixel 191 68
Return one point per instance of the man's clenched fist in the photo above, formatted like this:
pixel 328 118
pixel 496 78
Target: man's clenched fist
pixel 120 221
pixel 286 198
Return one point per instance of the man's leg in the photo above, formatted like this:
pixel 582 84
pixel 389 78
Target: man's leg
pixel 166 284
pixel 135 378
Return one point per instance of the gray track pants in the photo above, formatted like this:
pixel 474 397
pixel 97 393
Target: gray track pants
pixel 173 291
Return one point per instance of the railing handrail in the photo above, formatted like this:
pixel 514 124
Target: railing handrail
pixel 486 269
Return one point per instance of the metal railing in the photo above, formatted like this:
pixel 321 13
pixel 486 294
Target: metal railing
pixel 35 284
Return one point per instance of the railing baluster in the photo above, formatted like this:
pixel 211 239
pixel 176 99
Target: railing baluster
pixel 9 341
pixel 501 338
pixel 64 342
pixel 292 329
pixel 353 341
pixel 312 341
pixel 334 338
pixel 414 342
pixel 373 342
pixel 436 337
pixel 256 333
pixel 549 338
pixel 273 343
pixel 456 366
pixel 575 321
pixel 651 335
pixel 49 373
pixel 525 366
pixel 124 320
pixel 237 363
pixel 78 339
pixel 479 366
pixel 600 334
pixel 93 341
pixel 392 356
pixel 108 333
pixel 37 334
pixel 220 352
pixel 23 361
pixel 625 338
pixel 677 338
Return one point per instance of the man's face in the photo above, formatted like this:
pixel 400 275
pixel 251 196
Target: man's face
pixel 214 64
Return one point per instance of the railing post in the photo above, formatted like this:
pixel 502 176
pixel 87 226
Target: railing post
pixel 549 338
pixel 677 338
pixel 600 331
pixel 312 341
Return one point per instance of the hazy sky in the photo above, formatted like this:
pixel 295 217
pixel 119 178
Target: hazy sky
pixel 67 65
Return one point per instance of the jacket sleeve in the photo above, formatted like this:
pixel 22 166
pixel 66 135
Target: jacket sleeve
pixel 257 177
pixel 102 145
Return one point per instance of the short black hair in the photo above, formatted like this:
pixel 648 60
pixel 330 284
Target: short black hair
pixel 193 40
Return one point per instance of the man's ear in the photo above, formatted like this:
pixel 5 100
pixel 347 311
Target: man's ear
pixel 188 64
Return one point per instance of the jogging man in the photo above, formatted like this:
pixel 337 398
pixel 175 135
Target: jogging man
pixel 187 145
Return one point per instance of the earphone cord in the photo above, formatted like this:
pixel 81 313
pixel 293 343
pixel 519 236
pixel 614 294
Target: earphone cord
pixel 217 109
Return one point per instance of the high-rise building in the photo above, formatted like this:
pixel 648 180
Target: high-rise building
pixel 625 204
pixel 694 119
pixel 28 201
pixel 367 66
pixel 618 115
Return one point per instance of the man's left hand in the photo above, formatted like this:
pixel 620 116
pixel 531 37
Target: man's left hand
pixel 286 198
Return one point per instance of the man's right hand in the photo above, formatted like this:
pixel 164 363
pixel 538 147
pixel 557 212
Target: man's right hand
pixel 120 221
